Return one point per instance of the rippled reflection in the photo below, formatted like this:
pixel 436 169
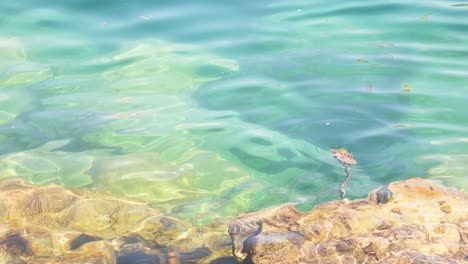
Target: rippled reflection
pixel 209 109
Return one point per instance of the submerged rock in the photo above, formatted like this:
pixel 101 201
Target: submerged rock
pixel 412 221
pixel 52 224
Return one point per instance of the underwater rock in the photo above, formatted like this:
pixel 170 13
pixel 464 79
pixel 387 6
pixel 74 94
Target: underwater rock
pixel 421 223
pixel 53 224
pixel 93 252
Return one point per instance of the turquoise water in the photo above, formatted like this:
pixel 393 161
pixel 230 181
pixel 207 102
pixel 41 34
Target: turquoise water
pixel 207 109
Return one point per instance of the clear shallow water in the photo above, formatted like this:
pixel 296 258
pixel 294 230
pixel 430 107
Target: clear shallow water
pixel 208 109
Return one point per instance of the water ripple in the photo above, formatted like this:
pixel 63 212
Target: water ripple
pixel 232 106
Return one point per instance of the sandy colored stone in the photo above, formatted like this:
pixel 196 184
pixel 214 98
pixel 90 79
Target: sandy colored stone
pixel 396 210
pixel 446 208
pixel 409 227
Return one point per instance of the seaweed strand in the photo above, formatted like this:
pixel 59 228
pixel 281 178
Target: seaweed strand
pixel 345 180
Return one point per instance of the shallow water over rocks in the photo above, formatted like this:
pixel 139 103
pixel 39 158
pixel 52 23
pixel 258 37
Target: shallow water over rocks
pixel 403 222
pixel 53 224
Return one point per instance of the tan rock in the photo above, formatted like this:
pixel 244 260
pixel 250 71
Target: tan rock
pixel 402 222
pixel 446 208
pixel 396 210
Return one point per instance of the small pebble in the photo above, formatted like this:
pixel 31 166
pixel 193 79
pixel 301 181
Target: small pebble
pixel 439 229
pixel 424 219
pixel 446 209
pixel 384 225
pixel 293 227
pixel 441 202
pixel 396 210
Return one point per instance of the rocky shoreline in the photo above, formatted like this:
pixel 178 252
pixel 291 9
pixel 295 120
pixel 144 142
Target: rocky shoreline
pixel 412 221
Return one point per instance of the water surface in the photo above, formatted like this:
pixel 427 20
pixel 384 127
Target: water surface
pixel 207 109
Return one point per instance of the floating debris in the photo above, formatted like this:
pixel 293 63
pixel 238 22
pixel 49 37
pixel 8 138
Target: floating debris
pixel 406 88
pixel 382 45
pixel 125 115
pixel 343 156
pixel 124 100
pixel 346 159
pixel 460 5
pixel 362 61
pixel 391 56
pixel 426 18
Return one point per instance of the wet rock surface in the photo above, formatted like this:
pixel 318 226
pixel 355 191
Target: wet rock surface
pixel 412 221
pixel 53 224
